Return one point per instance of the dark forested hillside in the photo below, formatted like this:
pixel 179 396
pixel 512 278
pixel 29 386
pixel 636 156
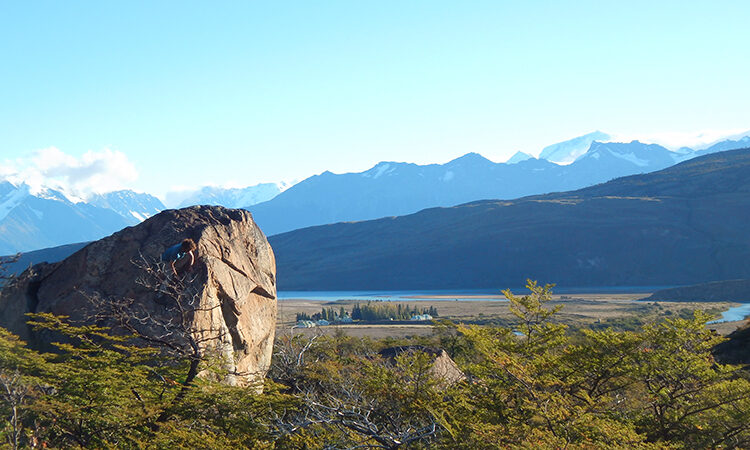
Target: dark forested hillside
pixel 682 225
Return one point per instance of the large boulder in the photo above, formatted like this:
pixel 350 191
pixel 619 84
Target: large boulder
pixel 231 287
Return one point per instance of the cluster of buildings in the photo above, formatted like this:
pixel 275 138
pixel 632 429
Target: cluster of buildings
pixel 321 322
pixel 347 319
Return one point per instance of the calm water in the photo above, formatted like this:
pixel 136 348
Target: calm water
pixel 733 314
pixel 463 294
pixel 386 296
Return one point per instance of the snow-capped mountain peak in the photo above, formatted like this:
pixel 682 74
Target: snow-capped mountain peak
pixel 54 194
pixel 380 169
pixel 232 197
pixel 11 196
pixel 637 153
pixel 131 205
pixel 33 218
pixel 518 157
pixel 568 151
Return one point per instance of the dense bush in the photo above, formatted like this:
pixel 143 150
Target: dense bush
pixel 535 385
pixel 372 312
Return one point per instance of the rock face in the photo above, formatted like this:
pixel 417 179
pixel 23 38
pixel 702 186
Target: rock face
pixel 736 350
pixel 232 285
pixel 443 369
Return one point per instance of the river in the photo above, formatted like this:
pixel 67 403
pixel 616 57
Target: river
pixel 734 314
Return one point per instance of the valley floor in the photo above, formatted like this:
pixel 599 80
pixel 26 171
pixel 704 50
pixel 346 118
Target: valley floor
pixel 617 310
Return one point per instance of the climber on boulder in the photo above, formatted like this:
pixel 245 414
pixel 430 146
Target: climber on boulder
pixel 180 256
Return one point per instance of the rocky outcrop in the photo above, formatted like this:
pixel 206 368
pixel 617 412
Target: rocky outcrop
pixel 231 288
pixel 736 349
pixel 443 369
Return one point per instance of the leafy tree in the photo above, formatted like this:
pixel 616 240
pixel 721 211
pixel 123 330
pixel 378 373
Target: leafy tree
pixel 100 390
pixel 542 387
pixel 686 396
pixel 535 384
pixel 351 397
pixel 525 391
pixel 104 390
pixel 20 384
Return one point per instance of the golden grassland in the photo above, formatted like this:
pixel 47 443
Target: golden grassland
pixel 578 310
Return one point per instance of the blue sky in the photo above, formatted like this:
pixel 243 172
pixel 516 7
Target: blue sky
pixel 191 93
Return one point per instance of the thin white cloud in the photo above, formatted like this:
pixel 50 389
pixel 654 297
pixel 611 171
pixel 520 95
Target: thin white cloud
pixel 674 139
pixel 94 172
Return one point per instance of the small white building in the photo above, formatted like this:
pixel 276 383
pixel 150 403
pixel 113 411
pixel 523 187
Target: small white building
pixel 345 319
pixel 305 324
pixel 421 317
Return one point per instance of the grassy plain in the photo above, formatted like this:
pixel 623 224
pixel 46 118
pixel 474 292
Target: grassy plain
pixel 622 311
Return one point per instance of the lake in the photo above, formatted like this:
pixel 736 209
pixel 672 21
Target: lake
pixel 450 295
pixel 391 296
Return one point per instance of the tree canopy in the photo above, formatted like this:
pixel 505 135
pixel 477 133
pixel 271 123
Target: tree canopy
pixel 535 384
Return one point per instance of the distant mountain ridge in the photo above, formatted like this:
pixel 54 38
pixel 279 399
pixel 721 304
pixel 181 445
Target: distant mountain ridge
pixel 387 189
pixel 683 225
pixel 232 197
pixel 13 266
pixel 32 220
pixel 568 151
pixel 129 204
pixel 518 157
pixel 394 189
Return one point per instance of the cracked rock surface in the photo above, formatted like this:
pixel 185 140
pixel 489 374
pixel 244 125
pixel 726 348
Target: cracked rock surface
pixel 233 282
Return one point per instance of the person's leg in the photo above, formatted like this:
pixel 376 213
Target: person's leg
pixel 163 291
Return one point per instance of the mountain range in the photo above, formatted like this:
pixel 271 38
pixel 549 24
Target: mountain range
pixel 568 151
pixel 232 197
pixel 33 219
pixel 37 219
pixel 394 189
pixel 682 225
